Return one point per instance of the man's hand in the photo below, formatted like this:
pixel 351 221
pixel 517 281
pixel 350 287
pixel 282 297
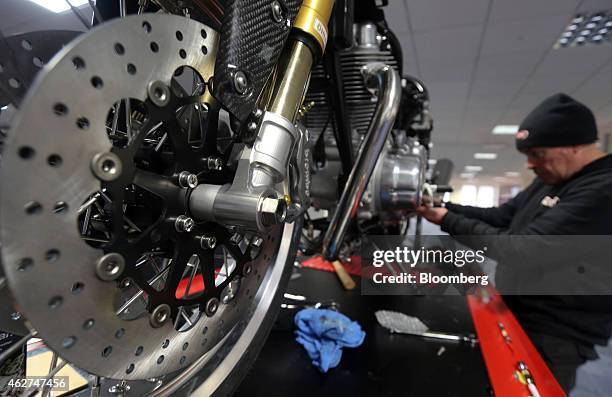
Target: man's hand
pixel 433 215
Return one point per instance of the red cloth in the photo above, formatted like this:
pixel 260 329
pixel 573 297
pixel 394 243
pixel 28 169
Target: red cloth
pixel 317 262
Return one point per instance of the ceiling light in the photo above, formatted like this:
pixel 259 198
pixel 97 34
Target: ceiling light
pixel 485 156
pixel 513 174
pixel 466 175
pixel 473 168
pixel 587 29
pixel 58 6
pixel 505 129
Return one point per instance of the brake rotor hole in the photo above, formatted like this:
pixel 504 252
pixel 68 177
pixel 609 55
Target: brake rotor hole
pixel 26 45
pixel 82 123
pixel 119 49
pixel 68 342
pixel 78 63
pixel 55 302
pixel 77 288
pixel 25 264
pixel 26 152
pixel 107 351
pixel 52 255
pixel 88 324
pixel 33 208
pixel 97 82
pixel 60 207
pixel 60 109
pixel 54 160
pixel 147 27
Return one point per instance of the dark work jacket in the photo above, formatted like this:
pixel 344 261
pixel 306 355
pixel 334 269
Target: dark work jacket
pixel 584 208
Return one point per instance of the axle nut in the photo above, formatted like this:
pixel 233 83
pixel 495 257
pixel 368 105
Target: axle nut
pixel 272 211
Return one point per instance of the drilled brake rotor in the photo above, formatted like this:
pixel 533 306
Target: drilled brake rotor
pixel 61 219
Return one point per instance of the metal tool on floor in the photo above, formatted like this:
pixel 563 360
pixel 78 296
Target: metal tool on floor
pixel 401 323
pixel 302 302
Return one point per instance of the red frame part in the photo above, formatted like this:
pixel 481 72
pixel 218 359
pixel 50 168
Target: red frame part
pixel 504 343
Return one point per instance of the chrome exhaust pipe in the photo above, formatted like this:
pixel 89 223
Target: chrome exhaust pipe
pixel 385 82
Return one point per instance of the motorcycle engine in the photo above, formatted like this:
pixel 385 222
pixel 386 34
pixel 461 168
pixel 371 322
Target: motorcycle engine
pixel 395 187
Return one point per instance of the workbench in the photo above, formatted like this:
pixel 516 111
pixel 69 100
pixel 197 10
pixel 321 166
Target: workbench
pixel 386 364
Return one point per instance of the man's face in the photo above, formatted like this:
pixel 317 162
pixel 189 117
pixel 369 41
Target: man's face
pixel 551 165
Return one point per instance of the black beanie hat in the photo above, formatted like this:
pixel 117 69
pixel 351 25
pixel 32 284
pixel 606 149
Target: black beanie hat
pixel 558 121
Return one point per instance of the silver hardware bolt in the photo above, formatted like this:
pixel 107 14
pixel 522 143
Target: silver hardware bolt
pixel 247 269
pixel 110 266
pixel 184 224
pixel 214 163
pixel 257 241
pixel 160 315
pixel 208 242
pixel 187 180
pixel 211 307
pixel 240 82
pixel 158 93
pixel 120 389
pixel 277 12
pixel 106 166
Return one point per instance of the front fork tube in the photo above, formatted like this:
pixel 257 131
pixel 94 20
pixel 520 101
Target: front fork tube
pixel 249 200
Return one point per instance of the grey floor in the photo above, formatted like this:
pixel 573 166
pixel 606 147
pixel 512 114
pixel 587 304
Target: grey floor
pixel 594 378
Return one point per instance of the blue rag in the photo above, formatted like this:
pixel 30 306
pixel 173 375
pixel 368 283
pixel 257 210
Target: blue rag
pixel 324 333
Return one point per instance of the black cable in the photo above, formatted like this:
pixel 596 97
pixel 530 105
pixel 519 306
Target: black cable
pixel 318 154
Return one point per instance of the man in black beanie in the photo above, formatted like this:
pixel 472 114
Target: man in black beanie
pixel 571 195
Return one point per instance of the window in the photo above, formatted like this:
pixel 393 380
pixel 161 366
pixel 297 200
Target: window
pixel 480 196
